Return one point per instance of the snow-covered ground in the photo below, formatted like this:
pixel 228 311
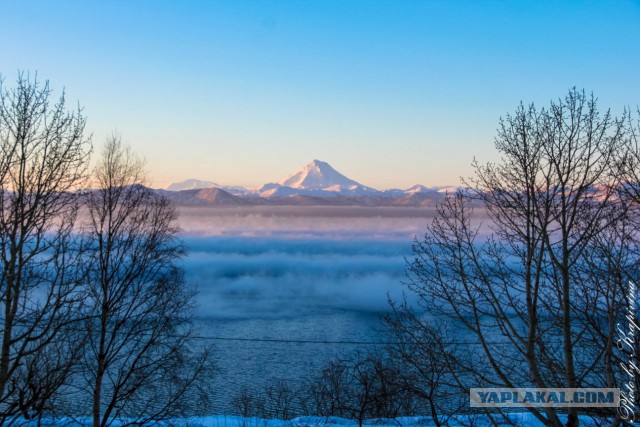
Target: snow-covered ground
pixel 523 419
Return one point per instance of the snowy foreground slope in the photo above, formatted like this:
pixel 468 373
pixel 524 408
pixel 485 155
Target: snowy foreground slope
pixel 523 419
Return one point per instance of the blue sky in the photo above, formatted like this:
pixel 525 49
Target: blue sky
pixel 391 93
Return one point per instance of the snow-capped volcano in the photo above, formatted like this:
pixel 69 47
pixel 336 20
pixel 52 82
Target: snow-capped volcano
pixel 319 175
pixel 315 184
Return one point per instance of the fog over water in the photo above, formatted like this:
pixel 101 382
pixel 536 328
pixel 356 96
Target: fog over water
pixel 284 262
pixel 240 277
pixel 345 223
pixel 275 262
pixel 293 273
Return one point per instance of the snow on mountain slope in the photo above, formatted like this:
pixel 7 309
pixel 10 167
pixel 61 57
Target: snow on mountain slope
pixel 447 189
pixel 197 184
pixel 417 189
pixel 316 183
pixel 317 179
pixel 319 175
pixel 191 184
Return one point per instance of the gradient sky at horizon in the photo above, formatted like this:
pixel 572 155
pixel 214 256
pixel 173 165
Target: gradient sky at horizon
pixel 390 93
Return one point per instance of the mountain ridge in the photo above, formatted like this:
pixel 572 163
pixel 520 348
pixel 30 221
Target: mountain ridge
pixel 199 184
pixel 317 183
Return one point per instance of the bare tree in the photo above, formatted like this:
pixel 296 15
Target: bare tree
pixel 612 266
pixel 140 364
pixel 280 400
pixel 427 359
pixel 631 159
pixel 247 403
pixel 327 392
pixel 362 386
pixel 518 289
pixel 617 262
pixel 43 160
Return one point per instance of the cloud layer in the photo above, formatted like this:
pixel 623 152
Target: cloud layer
pixel 319 222
pixel 239 277
pixel 286 261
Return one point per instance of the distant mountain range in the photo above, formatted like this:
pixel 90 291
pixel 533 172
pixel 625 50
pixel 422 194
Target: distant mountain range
pixel 198 184
pixel 315 184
